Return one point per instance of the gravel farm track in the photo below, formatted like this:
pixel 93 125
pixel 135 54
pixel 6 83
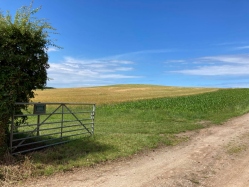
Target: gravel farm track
pixel 215 156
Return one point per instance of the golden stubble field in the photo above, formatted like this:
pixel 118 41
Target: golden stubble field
pixel 114 94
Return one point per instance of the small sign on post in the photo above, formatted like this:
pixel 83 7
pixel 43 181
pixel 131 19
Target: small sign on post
pixel 39 109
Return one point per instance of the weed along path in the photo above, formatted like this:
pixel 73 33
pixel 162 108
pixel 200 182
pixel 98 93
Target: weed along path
pixel 214 156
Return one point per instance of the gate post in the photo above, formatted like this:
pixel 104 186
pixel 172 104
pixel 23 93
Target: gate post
pixel 11 132
pixel 62 118
pixel 38 125
pixel 92 117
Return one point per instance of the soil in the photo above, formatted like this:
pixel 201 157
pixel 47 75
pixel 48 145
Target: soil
pixel 214 156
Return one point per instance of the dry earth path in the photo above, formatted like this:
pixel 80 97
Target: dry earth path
pixel 214 156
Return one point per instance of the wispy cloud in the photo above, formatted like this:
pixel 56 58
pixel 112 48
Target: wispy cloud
pixel 240 85
pixel 153 51
pixel 78 72
pixel 236 65
pixel 52 49
pixel 232 43
pixel 144 52
pixel 242 47
pixel 227 43
pixel 217 70
pixel 175 61
pixel 237 59
pixel 234 46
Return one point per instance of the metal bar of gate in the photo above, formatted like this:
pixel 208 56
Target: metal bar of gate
pixel 77 119
pixel 62 119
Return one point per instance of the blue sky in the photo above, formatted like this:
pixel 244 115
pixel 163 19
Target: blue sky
pixel 194 43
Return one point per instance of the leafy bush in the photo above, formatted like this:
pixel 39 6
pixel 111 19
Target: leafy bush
pixel 23 61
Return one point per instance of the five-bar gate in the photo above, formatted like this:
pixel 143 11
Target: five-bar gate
pixel 49 124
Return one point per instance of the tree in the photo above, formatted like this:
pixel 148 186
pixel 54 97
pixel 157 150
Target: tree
pixel 24 42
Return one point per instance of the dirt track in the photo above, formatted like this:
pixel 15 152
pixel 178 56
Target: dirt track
pixel 215 156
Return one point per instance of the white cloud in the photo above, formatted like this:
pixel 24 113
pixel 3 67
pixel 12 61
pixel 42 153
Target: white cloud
pixel 240 85
pixel 176 61
pixel 217 70
pixel 242 47
pixel 235 65
pixel 143 52
pixel 121 61
pixel 239 59
pixel 52 49
pixel 153 51
pixel 77 72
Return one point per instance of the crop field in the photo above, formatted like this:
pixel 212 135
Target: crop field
pixel 114 94
pixel 133 118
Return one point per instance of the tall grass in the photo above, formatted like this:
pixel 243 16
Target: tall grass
pixel 125 128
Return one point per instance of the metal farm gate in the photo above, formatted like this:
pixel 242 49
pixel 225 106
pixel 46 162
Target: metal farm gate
pixel 50 124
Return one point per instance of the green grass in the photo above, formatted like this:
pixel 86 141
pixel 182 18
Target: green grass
pixel 125 128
